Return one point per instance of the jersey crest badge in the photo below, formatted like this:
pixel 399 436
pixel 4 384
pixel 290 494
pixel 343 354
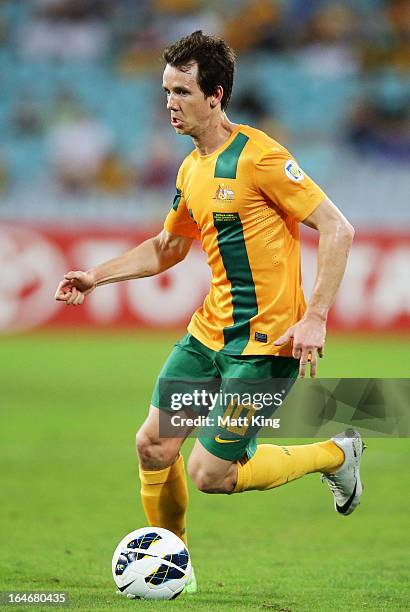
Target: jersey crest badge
pixel 293 171
pixel 222 193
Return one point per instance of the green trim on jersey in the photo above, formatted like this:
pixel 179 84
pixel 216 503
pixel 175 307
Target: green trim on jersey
pixel 177 200
pixel 231 243
pixel 227 162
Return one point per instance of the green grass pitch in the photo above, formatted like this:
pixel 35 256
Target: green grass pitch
pixel 70 405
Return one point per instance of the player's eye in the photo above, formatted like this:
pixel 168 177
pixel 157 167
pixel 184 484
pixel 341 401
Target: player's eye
pixel 177 91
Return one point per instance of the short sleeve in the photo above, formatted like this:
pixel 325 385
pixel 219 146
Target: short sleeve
pixel 178 220
pixel 280 179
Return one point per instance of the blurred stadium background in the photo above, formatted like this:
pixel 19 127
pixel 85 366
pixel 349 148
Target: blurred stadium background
pixel 88 158
pixel 87 169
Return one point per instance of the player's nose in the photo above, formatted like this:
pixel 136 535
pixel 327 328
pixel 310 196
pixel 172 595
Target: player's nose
pixel 171 104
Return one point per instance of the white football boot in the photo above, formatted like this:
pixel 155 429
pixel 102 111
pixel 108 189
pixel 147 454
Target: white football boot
pixel 345 484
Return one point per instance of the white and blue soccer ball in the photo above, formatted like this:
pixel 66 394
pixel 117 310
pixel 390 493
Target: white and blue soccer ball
pixel 151 563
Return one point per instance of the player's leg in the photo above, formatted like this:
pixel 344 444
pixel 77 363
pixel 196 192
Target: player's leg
pixel 227 462
pixel 154 452
pixel 337 459
pixel 164 491
pixel 270 466
pixel 209 473
pixel 163 481
pixel 225 465
pixel 273 465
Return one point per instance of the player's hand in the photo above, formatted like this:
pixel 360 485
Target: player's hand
pixel 308 337
pixel 75 286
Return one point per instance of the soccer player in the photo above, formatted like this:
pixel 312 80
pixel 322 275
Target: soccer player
pixel 243 196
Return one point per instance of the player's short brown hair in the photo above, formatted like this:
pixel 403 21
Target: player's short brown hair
pixel 215 59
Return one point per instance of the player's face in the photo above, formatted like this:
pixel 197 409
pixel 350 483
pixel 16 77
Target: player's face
pixel 190 109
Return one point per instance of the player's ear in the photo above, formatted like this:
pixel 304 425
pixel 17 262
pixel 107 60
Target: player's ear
pixel 216 98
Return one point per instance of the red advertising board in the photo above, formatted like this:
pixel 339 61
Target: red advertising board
pixel 375 294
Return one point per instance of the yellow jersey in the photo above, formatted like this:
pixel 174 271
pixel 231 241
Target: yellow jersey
pixel 244 203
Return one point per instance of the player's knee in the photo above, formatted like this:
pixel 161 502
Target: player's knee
pixel 143 444
pixel 153 453
pixel 209 482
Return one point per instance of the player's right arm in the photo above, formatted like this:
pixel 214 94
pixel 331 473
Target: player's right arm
pixel 149 258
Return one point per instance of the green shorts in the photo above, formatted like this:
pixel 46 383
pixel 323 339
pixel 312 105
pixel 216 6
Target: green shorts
pixel 190 360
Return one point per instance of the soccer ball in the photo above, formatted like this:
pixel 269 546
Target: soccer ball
pixel 151 563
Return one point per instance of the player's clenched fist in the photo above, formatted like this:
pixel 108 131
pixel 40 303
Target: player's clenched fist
pixel 75 286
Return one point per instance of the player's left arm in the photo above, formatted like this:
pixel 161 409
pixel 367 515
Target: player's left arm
pixel 335 239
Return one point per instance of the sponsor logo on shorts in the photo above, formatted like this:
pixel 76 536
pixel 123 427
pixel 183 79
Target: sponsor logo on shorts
pixel 226 441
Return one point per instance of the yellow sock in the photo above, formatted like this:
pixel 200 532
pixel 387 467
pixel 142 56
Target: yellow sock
pixel 164 495
pixel 272 466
